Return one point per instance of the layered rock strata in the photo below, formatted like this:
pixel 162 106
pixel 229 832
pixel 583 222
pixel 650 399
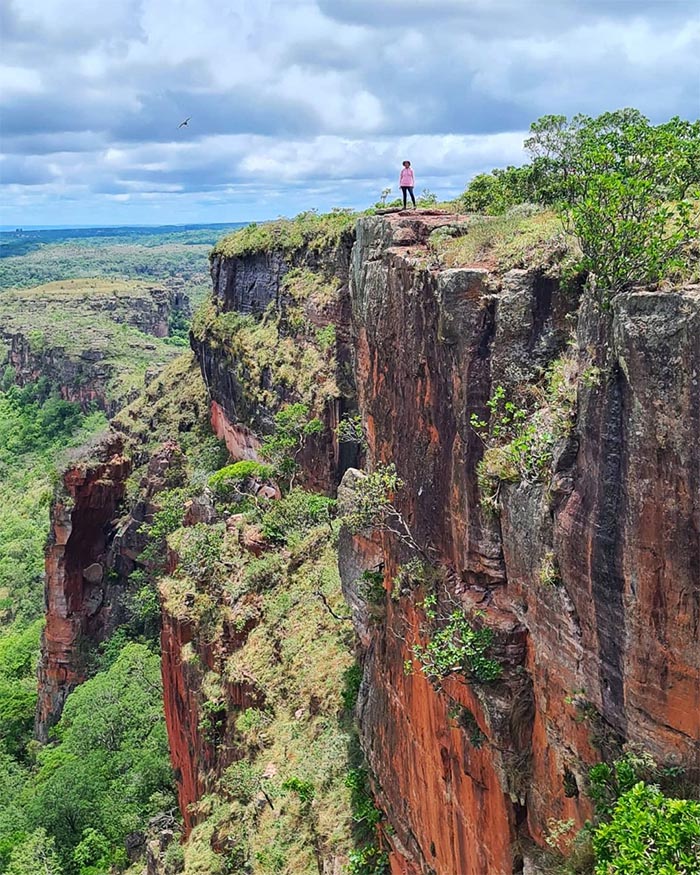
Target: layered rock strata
pixel 604 652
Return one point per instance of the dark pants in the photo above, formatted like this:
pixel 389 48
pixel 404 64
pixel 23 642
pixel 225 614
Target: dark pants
pixel 409 189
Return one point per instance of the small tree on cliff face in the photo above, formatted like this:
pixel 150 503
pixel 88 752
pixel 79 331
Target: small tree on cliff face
pixel 293 428
pixel 625 189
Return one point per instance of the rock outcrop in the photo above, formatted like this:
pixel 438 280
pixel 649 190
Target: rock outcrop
pixel 78 591
pixel 601 652
pixel 585 572
pixel 94 544
pixel 244 389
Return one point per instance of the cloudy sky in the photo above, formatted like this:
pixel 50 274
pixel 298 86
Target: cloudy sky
pixel 306 103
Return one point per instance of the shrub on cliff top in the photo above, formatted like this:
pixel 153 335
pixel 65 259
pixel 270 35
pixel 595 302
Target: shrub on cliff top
pixel 625 187
pixel 627 190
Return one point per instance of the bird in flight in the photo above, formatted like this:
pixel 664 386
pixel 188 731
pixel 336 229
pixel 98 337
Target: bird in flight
pixel 184 124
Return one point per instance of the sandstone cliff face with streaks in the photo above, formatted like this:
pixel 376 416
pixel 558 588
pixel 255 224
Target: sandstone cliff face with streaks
pixel 588 575
pixel 79 598
pixel 608 653
pixel 94 543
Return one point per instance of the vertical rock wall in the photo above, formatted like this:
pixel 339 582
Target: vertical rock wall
pixel 77 589
pixel 608 653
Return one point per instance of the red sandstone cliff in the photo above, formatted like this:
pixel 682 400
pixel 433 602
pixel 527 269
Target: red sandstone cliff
pixel 610 653
pixel 77 591
pixel 467 775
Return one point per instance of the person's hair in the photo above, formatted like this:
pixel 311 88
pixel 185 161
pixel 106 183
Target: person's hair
pixel 406 162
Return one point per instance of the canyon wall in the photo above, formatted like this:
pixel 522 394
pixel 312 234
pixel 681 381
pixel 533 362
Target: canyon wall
pixel 95 541
pixel 601 652
pixel 585 571
pixel 65 333
pixel 78 590
pixel 245 388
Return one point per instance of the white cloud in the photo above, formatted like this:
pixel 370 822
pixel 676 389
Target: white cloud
pixel 293 99
pixel 19 80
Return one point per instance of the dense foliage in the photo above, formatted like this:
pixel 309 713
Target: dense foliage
pixel 625 188
pixel 36 426
pixel 107 771
pixel 649 832
pixel 647 819
pixel 49 798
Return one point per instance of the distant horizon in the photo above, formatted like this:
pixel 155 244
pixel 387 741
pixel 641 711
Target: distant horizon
pixel 11 229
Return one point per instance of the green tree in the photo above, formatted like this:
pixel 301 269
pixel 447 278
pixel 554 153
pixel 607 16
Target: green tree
pixel 648 832
pixel 19 650
pixel 110 767
pixel 293 427
pixel 625 188
pixel 14 825
pixel 35 856
pixel 495 192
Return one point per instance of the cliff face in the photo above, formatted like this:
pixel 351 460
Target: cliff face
pixel 86 336
pixel 198 754
pixel 94 545
pixel 584 569
pixel 605 650
pixel 78 594
pixel 245 382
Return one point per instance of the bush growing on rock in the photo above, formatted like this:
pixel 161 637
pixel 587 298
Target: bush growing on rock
pixel 238 480
pixel 290 518
pixel 626 189
pixel 648 832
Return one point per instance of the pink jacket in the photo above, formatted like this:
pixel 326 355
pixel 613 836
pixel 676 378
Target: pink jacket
pixel 407 177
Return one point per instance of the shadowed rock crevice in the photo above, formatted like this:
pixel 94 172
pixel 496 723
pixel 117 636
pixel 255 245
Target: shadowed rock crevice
pixel 607 582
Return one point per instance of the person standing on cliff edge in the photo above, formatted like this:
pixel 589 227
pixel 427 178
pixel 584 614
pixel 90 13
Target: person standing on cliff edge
pixel 407 182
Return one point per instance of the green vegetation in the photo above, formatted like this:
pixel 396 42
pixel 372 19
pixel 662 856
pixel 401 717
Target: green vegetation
pixel 286 795
pixel 236 482
pixel 19 648
pixel 289 519
pixel 626 188
pixel 269 575
pixel 648 832
pixel 36 426
pixel 626 191
pixel 549 570
pixel 519 440
pixel 642 824
pixel 282 448
pixel 276 359
pixel 57 804
pixel 523 237
pixel 368 859
pixel 178 257
pixel 175 405
pixel 455 646
pixel 373 506
pixel 311 230
pixel 106 773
